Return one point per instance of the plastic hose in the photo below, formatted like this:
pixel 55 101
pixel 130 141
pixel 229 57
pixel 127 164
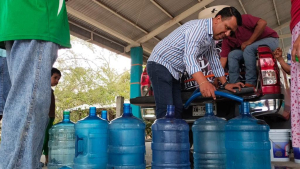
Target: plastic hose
pixel 230 96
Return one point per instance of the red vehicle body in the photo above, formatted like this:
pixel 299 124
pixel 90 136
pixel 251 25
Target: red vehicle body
pixel 265 100
pixel 146 89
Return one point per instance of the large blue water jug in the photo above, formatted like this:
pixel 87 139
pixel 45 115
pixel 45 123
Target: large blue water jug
pixel 62 143
pixel 126 148
pixel 170 142
pixel 247 142
pixel 209 141
pixel 91 142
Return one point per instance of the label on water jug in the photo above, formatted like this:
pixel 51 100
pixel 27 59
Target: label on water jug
pixel 280 149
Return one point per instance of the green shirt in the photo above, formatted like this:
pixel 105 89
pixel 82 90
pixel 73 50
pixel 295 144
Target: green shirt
pixel 34 19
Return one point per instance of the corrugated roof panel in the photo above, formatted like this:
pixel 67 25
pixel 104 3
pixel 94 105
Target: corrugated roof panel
pixel 92 28
pixel 103 16
pixel 234 3
pixel 176 7
pixel 148 16
pixel 284 10
pixel 142 12
pixel 168 31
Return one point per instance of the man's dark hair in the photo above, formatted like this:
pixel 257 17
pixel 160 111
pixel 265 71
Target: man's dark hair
pixel 54 70
pixel 228 12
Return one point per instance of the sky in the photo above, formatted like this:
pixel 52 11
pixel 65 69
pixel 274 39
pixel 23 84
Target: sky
pixel 89 55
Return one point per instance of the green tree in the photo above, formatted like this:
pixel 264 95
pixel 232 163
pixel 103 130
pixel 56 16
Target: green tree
pixel 88 80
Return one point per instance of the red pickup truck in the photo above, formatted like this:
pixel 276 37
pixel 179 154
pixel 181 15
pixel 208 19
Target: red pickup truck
pixel 266 99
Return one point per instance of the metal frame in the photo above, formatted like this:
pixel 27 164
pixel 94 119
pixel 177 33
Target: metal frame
pixel 242 5
pixel 104 28
pixel 170 23
pixel 122 17
pixel 163 10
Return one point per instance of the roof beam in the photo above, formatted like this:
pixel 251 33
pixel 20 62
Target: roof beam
pixel 286 24
pixel 92 33
pixel 103 27
pixel 170 23
pixel 122 17
pixel 276 12
pixel 242 5
pixel 164 11
pixel 282 42
pixel 283 36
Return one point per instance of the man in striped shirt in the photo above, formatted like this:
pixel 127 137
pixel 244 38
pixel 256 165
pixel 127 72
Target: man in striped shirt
pixel 180 50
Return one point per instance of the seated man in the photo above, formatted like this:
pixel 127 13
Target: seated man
pixel 242 46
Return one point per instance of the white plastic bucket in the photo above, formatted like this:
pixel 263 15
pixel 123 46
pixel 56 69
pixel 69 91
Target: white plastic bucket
pixel 280 144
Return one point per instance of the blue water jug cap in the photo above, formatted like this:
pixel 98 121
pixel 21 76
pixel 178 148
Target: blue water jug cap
pixel 245 108
pixel 92 111
pixel 66 112
pixel 66 116
pixel 209 109
pixel 170 111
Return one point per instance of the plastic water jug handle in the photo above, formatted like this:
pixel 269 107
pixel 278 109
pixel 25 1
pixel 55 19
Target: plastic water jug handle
pixel 230 96
pixel 77 152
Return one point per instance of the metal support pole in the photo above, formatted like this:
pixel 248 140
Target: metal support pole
pixel 119 106
pixel 136 54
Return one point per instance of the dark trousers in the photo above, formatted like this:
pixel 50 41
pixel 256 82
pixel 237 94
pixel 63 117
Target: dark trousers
pixel 166 89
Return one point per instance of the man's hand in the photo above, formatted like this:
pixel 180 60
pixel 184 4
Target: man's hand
pixel 296 49
pixel 230 86
pixel 245 44
pixel 207 90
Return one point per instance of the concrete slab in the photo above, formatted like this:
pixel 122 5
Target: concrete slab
pixel 275 165
pixel 285 165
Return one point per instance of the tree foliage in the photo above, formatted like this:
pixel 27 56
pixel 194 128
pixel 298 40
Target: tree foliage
pixel 88 79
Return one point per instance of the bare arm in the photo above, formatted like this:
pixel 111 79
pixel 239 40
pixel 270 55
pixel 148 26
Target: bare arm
pixel 278 55
pixel 259 29
pixel 296 49
pixel 223 61
pixel 284 65
pixel 206 88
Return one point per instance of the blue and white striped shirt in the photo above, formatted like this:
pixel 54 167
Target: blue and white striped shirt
pixel 181 49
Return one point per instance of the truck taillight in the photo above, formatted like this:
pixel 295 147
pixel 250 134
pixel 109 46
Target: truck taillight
pixel 268 70
pixel 146 89
pixel 269 77
pixel 267 63
pixel 268 73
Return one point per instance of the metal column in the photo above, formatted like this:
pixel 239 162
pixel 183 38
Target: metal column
pixel 136 54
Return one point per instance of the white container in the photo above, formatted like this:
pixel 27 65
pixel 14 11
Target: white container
pixel 280 144
pixel 296 153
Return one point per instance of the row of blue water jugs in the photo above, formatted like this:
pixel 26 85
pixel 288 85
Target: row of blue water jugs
pixel 94 143
pixel 240 143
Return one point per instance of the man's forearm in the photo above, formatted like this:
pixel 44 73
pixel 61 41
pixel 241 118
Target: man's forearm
pixel 284 65
pixel 259 29
pixel 223 61
pixel 222 79
pixel 199 77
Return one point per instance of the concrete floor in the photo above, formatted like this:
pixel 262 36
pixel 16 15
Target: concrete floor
pixel 275 165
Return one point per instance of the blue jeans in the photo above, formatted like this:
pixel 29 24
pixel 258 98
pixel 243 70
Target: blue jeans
pixel 27 106
pixel 4 83
pixel 167 90
pixel 249 58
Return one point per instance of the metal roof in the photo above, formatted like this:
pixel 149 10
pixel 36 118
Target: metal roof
pixel 120 24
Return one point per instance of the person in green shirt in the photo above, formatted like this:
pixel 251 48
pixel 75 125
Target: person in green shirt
pixel 32 31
